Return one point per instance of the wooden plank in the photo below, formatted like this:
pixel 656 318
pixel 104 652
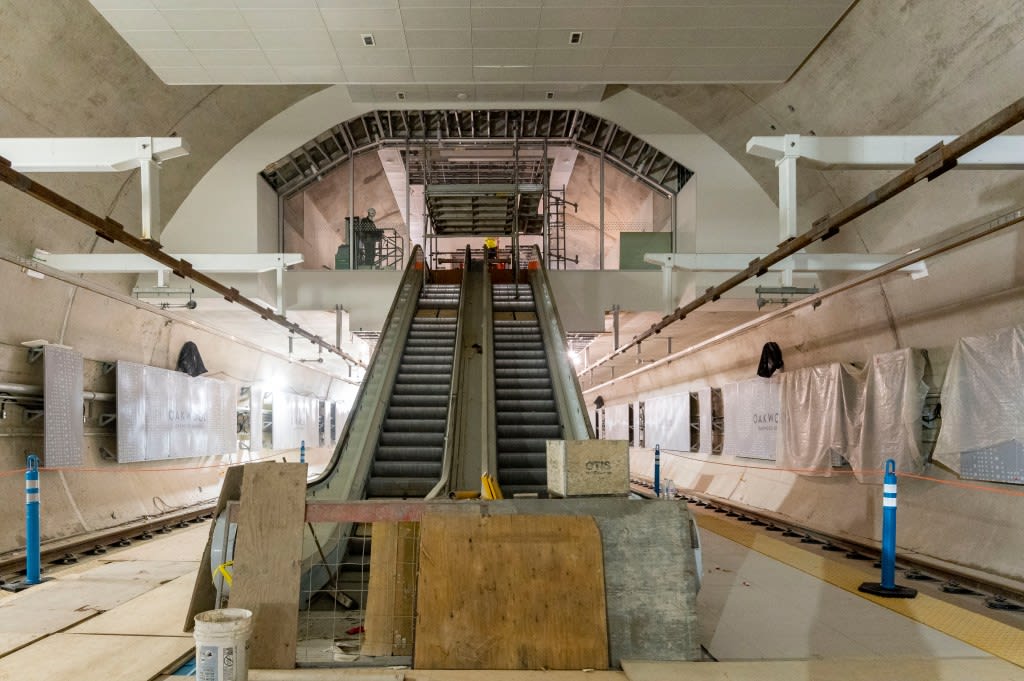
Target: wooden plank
pixel 87 657
pixel 180 544
pixel 268 559
pixel 11 641
pixel 391 593
pixel 510 592
pixel 204 593
pixel 157 613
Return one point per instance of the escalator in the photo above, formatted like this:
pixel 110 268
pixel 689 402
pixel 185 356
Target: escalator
pixel 526 415
pixel 409 455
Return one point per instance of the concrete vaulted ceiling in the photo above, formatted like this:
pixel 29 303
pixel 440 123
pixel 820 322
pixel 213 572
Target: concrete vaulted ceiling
pixel 474 48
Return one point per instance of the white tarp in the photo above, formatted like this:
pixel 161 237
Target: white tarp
pixel 751 418
pixel 295 420
pixel 667 422
pixel 616 422
pixel 864 416
pixel 704 414
pixel 983 395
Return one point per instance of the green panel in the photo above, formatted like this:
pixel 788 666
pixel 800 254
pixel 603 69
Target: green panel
pixel 633 245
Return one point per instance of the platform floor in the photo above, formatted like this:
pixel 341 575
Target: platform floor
pixel 769 609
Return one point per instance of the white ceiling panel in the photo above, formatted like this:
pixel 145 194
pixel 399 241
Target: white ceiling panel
pixel 437 39
pixel 293 39
pixel 499 93
pixel 504 42
pixel 225 40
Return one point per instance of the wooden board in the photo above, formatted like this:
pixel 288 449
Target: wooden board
pixel 391 593
pixel 510 592
pixel 159 612
pixel 11 641
pixel 268 559
pixel 180 544
pixel 85 657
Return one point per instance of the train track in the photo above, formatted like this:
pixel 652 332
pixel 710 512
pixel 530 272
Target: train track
pixel 70 550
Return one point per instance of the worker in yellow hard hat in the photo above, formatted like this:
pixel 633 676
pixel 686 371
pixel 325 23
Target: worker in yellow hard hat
pixel 490 248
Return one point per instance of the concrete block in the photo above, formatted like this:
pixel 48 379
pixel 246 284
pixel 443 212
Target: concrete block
pixel 588 468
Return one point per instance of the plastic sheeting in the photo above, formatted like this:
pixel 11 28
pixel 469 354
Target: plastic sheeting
pixel 983 395
pixel 667 422
pixel 295 420
pixel 705 417
pixel 751 410
pixel 616 422
pixel 865 416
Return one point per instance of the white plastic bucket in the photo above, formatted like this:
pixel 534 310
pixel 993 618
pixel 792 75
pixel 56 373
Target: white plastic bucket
pixel 222 642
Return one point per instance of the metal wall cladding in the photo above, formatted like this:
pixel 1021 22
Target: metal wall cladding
pixel 165 414
pixel 751 418
pixel 706 418
pixel 295 420
pixel 63 435
pixel 667 422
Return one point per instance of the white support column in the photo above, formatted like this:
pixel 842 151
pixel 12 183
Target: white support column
pixel 150 181
pixel 668 299
pixel 787 197
pixel 280 290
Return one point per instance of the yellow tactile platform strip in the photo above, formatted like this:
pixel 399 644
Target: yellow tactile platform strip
pixel 977 630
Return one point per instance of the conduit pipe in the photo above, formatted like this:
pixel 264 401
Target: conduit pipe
pixel 113 231
pixel 37 391
pixel 954 242
pixel 930 164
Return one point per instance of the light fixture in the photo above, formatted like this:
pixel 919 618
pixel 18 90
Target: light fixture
pixel 400 96
pixel 575 37
pixel 368 40
pixel 549 95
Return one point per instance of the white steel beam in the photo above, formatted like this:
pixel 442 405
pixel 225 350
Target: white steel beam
pixel 137 262
pixel 88 154
pixel 799 262
pixel 1005 152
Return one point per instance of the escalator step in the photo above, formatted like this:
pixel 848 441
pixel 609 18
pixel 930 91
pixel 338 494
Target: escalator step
pixel 533 418
pixel 409 399
pixel 520 394
pixel 412 439
pixel 530 431
pixel 417 412
pixel 399 487
pixel 432 378
pixel 521 372
pixel 407 469
pixel 501 383
pixel 540 406
pixel 395 453
pixel 420 390
pixel 522 444
pixel 392 425
pixel 422 368
pixel 523 476
pixel 522 460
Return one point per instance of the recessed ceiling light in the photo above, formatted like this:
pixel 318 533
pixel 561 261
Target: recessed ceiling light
pixel 368 40
pixel 549 94
pixel 400 96
pixel 575 37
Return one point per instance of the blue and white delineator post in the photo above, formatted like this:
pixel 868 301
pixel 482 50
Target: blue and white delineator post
pixel 32 550
pixel 657 471
pixel 302 451
pixel 887 587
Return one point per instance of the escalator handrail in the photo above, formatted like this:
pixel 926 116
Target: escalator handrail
pixel 414 278
pixel 570 402
pixel 453 391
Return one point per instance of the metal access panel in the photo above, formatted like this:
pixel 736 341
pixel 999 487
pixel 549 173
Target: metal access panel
pixel 1003 462
pixel 165 414
pixel 63 434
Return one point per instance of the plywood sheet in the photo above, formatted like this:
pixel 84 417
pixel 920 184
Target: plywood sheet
pixel 268 559
pixel 850 669
pixel 159 612
pixel 510 592
pixel 12 641
pixel 85 657
pixel 180 544
pixel 391 594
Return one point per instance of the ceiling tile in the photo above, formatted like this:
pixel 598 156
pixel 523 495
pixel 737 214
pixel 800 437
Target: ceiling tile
pixel 754 73
pixel 310 74
pixel 438 39
pixel 503 17
pixel 205 19
pixel 594 37
pixel 223 40
pixel 590 4
pixel 194 4
pixel 357 4
pixel 503 57
pixel 360 93
pixel 568 73
pixel 302 57
pixel 439 18
pixel 571 56
pixel 433 3
pixel 276 4
pixel 649 56
pixel 442 57
pixel 292 39
pixel 362 20
pixel 383 39
pixel 412 91
pixel 283 18
pixel 504 74
pixel 136 20
pixel 574 19
pixel 451 93
pixel 510 38
pixel 631 74
pixel 180 58
pixel 183 75
pixel 103 5
pixel 378 74
pixel 243 74
pixel 498 93
pixel 507 3
pixel 373 57
pixel 153 40
pixel 710 37
pixel 443 74
pixel 730 16
pixel 211 58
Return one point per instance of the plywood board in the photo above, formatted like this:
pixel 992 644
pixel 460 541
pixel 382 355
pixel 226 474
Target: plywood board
pixel 12 641
pixel 268 559
pixel 159 612
pixel 510 592
pixel 850 669
pixel 180 544
pixel 85 657
pixel 391 594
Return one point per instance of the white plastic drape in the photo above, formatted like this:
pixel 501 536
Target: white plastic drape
pixel 295 420
pixel 982 395
pixel 751 418
pixel 704 414
pixel 616 422
pixel 667 422
pixel 865 416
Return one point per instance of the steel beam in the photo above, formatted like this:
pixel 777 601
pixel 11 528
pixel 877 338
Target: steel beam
pixel 799 262
pixel 239 263
pixel 88 154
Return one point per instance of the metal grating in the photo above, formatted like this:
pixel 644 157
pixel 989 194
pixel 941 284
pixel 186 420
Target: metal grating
pixel 484 209
pixel 63 435
pixel 423 133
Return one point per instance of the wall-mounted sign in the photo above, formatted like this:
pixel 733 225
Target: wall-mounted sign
pixel 751 418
